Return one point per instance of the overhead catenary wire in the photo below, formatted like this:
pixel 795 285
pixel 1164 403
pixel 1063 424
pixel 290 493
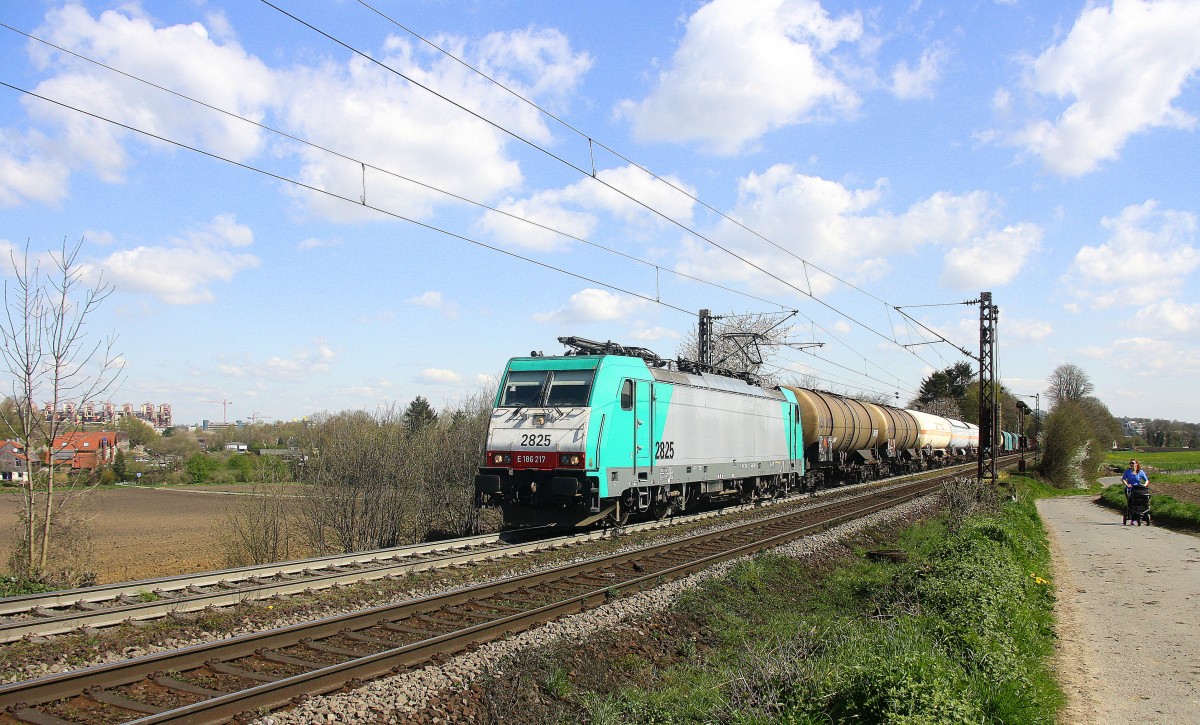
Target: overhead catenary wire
pixel 394 174
pixel 326 192
pixel 531 144
pixel 362 200
pixel 364 165
pixel 592 141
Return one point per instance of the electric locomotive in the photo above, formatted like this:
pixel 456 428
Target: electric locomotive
pixel 607 431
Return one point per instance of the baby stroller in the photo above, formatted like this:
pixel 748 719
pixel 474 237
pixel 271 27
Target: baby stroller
pixel 1138 507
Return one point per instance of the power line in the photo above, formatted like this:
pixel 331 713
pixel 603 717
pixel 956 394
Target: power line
pixel 585 172
pixel 607 148
pixel 361 201
pixel 356 202
pixel 388 172
pixel 365 165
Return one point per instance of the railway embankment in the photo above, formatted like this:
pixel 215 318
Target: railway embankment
pixel 954 627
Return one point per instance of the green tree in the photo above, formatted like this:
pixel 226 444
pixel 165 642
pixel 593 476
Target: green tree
pixel 201 467
pixel 136 430
pixel 243 467
pixel 951 382
pixel 120 465
pixel 418 415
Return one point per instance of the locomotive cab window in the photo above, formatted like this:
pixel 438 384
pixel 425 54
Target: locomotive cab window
pixel 536 388
pixel 570 387
pixel 627 395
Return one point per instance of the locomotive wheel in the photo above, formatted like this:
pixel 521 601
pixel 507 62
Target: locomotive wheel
pixel 660 509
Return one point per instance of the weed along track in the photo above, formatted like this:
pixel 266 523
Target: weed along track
pixel 218 681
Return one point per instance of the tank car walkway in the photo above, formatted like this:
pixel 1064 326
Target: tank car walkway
pixel 1128 613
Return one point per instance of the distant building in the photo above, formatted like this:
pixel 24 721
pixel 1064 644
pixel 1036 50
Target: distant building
pixel 83 451
pixel 157 416
pixel 14 465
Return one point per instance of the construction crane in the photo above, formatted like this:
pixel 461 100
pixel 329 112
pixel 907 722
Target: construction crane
pixel 255 417
pixel 224 408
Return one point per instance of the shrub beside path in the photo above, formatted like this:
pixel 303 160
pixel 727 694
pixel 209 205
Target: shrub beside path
pixel 1128 611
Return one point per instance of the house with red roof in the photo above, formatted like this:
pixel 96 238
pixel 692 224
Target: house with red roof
pixel 84 451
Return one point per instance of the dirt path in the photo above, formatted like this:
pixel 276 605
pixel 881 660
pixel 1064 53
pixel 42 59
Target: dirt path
pixel 1128 609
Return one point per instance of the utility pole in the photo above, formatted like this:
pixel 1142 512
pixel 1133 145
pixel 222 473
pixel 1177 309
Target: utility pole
pixel 704 340
pixel 224 408
pixel 988 413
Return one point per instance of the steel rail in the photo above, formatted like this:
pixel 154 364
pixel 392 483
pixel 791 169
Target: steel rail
pixel 94 607
pixel 13 698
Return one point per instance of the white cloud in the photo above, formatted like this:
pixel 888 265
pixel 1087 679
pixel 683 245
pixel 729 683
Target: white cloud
pixel 918 82
pixel 182 271
pixel 653 334
pixel 591 305
pixel 743 69
pixel 181 57
pixel 300 365
pixel 355 107
pixel 434 301
pixel 1120 67
pixel 1021 329
pixel 841 229
pixel 1168 316
pixel 575 209
pixel 316 243
pixel 436 376
pixel 411 131
pixel 992 259
pixel 1148 255
pixel 29 171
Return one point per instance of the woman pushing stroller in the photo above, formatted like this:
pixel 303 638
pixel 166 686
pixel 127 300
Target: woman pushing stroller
pixel 1134 476
pixel 1137 494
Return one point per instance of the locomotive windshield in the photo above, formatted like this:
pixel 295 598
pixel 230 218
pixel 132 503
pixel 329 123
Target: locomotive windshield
pixel 545 388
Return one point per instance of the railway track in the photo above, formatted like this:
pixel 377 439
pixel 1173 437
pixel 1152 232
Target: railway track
pixel 251 674
pixel 87 609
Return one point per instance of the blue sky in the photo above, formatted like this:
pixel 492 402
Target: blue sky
pixel 871 155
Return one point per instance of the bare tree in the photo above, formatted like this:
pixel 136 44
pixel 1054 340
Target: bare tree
pixel 742 343
pixel 1068 382
pixel 49 356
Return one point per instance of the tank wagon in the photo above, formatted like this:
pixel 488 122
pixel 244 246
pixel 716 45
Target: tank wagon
pixel 607 431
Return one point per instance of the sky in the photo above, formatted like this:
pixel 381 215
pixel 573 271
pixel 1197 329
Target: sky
pixel 314 207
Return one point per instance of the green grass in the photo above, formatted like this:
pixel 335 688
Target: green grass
pixel 1164 510
pixel 1168 461
pixel 13 587
pixel 959 633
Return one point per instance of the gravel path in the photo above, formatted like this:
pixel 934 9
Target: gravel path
pixel 1128 599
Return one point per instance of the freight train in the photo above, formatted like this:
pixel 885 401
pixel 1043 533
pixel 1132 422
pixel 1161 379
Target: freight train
pixel 606 432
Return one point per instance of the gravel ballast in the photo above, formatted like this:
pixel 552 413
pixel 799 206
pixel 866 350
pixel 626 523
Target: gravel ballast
pixel 400 697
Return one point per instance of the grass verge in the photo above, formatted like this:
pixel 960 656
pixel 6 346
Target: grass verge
pixel 960 632
pixel 1159 461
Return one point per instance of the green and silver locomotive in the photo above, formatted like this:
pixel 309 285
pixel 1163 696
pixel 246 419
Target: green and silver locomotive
pixel 606 432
